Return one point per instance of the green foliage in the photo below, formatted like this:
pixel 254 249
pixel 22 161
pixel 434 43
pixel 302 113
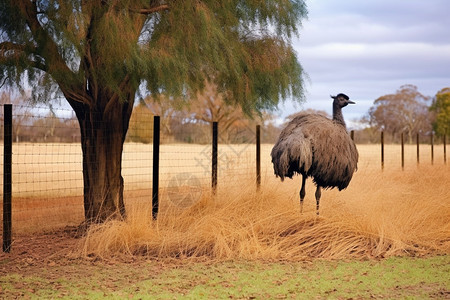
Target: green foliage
pixel 441 106
pixel 93 48
pixel 98 54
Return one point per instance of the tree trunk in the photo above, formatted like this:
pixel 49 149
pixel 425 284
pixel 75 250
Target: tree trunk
pixel 103 131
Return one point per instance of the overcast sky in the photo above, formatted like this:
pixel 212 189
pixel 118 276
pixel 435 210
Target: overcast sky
pixel 370 48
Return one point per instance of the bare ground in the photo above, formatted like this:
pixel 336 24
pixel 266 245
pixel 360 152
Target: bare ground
pixel 45 263
pixel 48 257
pixel 32 252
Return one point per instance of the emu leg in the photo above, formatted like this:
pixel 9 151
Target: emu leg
pixel 302 193
pixel 318 194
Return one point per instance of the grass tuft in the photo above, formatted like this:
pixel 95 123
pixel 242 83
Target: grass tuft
pixel 381 214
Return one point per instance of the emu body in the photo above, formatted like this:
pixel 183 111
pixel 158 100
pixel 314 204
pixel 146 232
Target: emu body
pixel 314 146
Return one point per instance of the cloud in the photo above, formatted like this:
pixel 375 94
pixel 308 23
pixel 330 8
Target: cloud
pixel 370 48
pixel 379 61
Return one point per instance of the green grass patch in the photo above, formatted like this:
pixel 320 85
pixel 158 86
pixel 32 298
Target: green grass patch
pixel 406 277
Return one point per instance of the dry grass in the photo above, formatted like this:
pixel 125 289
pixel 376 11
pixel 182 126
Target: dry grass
pixel 55 170
pixel 381 214
pixel 386 213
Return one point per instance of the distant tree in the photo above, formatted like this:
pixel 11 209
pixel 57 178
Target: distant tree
pixel 235 126
pixel 98 53
pixel 22 113
pixel 44 128
pixel 187 130
pixel 405 111
pixel 270 129
pixel 169 109
pixel 141 125
pixel 210 106
pixel 441 108
pixel 369 133
pixel 69 131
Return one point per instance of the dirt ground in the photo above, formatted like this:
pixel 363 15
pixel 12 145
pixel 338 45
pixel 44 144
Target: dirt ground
pixel 50 257
pixel 30 253
pixel 39 249
pixel 45 263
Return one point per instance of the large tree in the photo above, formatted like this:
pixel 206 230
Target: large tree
pixel 406 111
pixel 441 107
pixel 99 53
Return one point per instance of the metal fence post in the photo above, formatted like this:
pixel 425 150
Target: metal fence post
pixel 7 177
pixel 403 152
pixel 258 156
pixel 155 189
pixel 432 147
pixel 382 150
pixel 445 150
pixel 417 142
pixel 214 157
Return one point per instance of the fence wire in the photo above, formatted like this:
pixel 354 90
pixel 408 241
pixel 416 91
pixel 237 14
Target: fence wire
pixel 47 170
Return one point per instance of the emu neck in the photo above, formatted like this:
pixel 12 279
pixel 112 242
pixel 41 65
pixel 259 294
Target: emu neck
pixel 337 115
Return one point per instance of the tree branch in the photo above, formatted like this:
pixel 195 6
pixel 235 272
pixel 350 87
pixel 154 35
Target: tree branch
pixel 13 57
pixel 74 97
pixel 6 46
pixel 4 81
pixel 115 97
pixel 16 51
pixel 147 11
pixel 46 48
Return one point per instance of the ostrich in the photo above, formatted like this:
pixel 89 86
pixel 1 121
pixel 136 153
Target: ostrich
pixel 314 146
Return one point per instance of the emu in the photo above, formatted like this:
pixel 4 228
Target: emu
pixel 314 146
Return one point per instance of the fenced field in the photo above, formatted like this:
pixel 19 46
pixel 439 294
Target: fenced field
pixel 384 213
pixel 399 187
pixel 47 177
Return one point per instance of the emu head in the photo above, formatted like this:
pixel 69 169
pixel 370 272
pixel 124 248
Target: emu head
pixel 341 100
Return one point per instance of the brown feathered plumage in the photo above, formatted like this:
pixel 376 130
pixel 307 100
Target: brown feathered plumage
pixel 314 146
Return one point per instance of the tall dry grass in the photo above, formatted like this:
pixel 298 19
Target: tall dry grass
pixel 381 214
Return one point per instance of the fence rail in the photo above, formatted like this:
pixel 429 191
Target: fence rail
pixel 45 179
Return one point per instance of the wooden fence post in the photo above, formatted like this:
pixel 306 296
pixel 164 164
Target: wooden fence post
pixel 215 134
pixel 7 178
pixel 156 144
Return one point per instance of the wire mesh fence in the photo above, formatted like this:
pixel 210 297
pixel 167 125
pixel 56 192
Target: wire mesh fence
pixel 47 177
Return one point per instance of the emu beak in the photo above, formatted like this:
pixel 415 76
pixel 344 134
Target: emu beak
pixel 350 102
